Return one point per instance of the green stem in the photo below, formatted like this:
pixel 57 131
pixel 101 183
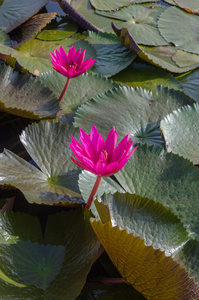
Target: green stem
pixel 64 90
pixel 93 192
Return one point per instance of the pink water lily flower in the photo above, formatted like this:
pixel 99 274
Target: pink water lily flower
pixel 100 157
pixel 71 65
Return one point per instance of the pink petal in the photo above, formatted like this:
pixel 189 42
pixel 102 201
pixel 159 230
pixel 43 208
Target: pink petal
pixel 100 168
pixel 119 150
pixel 100 145
pixel 78 163
pixel 76 56
pixel 63 55
pixel 88 145
pixel 111 142
pixel 88 63
pixel 71 54
pixel 90 166
pixel 112 168
pixel 81 59
pixel 94 135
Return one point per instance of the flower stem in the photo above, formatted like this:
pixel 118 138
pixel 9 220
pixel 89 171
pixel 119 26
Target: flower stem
pixel 64 90
pixel 93 192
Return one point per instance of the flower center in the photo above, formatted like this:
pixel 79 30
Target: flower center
pixel 71 65
pixel 105 155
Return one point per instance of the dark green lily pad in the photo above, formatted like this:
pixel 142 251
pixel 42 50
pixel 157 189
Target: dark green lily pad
pixel 190 84
pixel 14 13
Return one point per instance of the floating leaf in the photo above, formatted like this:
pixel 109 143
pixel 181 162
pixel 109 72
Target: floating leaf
pixel 191 6
pixel 80 90
pixel 114 4
pixel 47 143
pixel 180 130
pixel 147 269
pixel 190 84
pixel 23 95
pixel 166 178
pixel 58 30
pixel 112 56
pixel 35 54
pixel 47 270
pixel 172 23
pixel 4 38
pixel 159 56
pixel 147 77
pixel 27 30
pixel 185 59
pixel 140 112
pixel 141 23
pixel 14 13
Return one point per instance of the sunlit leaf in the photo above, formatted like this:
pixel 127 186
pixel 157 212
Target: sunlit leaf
pixel 141 23
pixel 180 28
pixel 180 130
pixel 114 4
pixel 4 38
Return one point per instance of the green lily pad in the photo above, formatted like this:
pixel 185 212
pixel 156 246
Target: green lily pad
pixel 190 6
pixel 4 38
pixel 180 28
pixel 141 23
pixel 80 90
pixel 146 269
pixel 147 77
pixel 114 4
pixel 47 270
pixel 58 30
pixel 190 84
pixel 161 56
pixel 112 56
pixel 83 13
pixel 166 178
pixel 14 13
pixel 30 28
pixel 35 54
pixel 180 130
pixel 140 112
pixel 23 95
pixel 185 59
pixel 56 180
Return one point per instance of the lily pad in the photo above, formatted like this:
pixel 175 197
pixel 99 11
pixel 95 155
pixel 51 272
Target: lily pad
pixel 146 269
pixel 35 54
pixel 190 85
pixel 112 56
pixel 23 95
pixel 4 38
pixel 114 4
pixel 166 178
pixel 46 271
pixel 147 77
pixel 14 13
pixel 56 180
pixel 191 6
pixel 141 23
pixel 180 28
pixel 140 112
pixel 180 130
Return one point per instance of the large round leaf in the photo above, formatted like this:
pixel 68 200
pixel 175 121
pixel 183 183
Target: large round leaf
pixel 55 181
pixel 80 90
pixel 147 77
pixel 147 269
pixel 190 6
pixel 35 54
pixel 114 4
pixel 180 130
pixel 134 111
pixel 141 23
pixel 56 268
pixel 14 13
pixel 166 178
pixel 180 28
pixel 112 56
pixel 23 95
pixel 190 84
